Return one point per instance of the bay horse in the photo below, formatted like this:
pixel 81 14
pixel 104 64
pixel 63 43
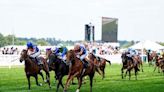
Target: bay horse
pixel 59 66
pixel 152 57
pixel 76 68
pixel 128 64
pixel 100 64
pixel 32 69
pixel 158 63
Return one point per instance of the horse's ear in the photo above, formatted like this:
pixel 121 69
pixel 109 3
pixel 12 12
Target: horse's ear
pixel 24 50
pixel 71 50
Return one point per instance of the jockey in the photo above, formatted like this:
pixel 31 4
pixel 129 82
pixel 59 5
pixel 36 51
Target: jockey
pixel 60 51
pixel 33 52
pixel 130 54
pixel 81 53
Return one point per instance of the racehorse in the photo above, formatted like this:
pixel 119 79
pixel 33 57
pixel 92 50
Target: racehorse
pixel 152 57
pixel 100 64
pixel 139 60
pixel 128 64
pixel 59 66
pixel 159 63
pixel 32 68
pixel 76 70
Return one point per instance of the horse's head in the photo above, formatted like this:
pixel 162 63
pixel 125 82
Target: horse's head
pixel 52 59
pixel 91 56
pixel 48 53
pixel 70 56
pixel 23 55
pixel 124 57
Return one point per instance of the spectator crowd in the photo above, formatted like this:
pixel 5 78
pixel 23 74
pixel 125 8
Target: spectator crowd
pixel 9 51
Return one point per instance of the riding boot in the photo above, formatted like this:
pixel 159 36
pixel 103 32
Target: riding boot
pixel 85 63
pixel 40 64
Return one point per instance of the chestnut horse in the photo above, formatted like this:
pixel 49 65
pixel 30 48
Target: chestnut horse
pixel 75 70
pixel 32 68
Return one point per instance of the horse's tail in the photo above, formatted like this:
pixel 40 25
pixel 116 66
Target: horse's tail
pixel 108 62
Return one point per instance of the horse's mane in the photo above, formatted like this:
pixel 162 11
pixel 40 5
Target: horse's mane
pixel 93 55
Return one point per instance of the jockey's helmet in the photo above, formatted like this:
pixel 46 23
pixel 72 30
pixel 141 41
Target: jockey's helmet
pixel 29 45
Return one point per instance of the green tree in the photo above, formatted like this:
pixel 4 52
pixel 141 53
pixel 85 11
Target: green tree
pixel 2 40
pixel 42 42
pixel 9 39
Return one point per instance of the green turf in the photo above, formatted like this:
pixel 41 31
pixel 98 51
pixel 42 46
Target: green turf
pixel 14 80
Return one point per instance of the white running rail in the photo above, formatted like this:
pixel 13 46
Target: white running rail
pixel 9 60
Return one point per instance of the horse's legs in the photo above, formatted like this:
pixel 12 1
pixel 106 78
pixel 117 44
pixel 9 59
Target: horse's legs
pixel 59 83
pixel 46 70
pixel 136 73
pixel 91 81
pixel 29 84
pixel 67 82
pixel 36 79
pixel 41 74
pixel 70 77
pixel 155 68
pixel 129 74
pixel 80 83
pixel 122 72
pixel 142 66
pixel 126 73
pixel 48 78
pixel 73 83
pixel 158 69
pixel 103 71
pixel 97 70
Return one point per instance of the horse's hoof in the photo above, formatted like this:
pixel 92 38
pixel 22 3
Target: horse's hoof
pixel 73 83
pixel 50 87
pixel 77 90
pixel 84 82
pixel 40 84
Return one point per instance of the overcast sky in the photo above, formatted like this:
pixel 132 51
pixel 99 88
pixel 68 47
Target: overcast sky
pixel 65 19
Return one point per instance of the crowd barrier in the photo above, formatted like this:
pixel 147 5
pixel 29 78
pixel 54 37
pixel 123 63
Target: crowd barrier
pixel 10 60
pixel 13 60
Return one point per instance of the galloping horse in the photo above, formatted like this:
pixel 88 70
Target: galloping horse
pixel 139 60
pixel 152 57
pixel 100 63
pixel 128 64
pixel 76 68
pixel 158 63
pixel 59 66
pixel 32 68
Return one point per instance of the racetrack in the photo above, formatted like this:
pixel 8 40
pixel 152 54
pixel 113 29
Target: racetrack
pixel 14 80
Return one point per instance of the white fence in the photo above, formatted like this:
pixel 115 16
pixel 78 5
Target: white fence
pixel 13 60
pixel 115 59
pixel 9 60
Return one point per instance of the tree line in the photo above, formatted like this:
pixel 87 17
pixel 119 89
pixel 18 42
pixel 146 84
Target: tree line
pixel 12 39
